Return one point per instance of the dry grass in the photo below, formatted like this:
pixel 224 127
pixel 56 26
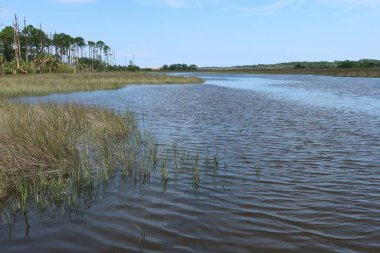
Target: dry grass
pixel 50 141
pixel 43 84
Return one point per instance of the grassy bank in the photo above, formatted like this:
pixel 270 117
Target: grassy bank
pixel 339 72
pixel 52 152
pixel 43 84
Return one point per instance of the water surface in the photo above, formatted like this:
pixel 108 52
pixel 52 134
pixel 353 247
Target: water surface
pixel 300 171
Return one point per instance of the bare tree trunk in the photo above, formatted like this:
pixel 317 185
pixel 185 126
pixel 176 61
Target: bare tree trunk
pixel 92 59
pixel 17 42
pixel 69 54
pixel 26 42
pixel 61 53
pixel 41 41
pixel 49 44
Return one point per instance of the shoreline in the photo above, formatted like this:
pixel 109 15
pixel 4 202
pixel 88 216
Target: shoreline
pixel 19 85
pixel 334 72
pixel 47 145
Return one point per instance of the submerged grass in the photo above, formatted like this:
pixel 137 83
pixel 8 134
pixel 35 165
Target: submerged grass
pixel 56 156
pixel 44 84
pixel 59 156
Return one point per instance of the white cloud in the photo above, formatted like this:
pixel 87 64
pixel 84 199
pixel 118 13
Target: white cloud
pixel 359 3
pixel 267 9
pixel 73 1
pixel 167 3
pixel 264 9
pixel 175 3
pixel 236 5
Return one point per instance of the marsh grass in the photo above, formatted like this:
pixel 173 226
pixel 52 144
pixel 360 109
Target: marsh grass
pixel 56 157
pixel 44 84
pixel 61 164
pixel 54 152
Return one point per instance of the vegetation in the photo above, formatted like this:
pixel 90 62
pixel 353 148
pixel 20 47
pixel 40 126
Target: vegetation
pixel 60 156
pixel 364 63
pixel 341 72
pixel 179 67
pixel 43 84
pixel 32 50
pixel 61 153
pixel 39 148
pixel 362 68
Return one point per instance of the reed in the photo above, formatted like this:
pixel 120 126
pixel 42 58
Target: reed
pixel 50 147
pixel 44 84
pixel 60 155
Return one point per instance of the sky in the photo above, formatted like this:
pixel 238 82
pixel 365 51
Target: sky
pixel 213 32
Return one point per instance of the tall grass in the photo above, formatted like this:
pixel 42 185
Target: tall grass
pixel 62 153
pixel 43 84
pixel 46 142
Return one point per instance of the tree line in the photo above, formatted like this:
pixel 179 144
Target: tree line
pixel 363 63
pixel 30 49
pixel 179 67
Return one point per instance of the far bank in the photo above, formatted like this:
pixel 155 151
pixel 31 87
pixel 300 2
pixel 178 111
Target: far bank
pixel 338 72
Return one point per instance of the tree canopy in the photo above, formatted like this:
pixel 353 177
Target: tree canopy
pixel 179 67
pixel 30 44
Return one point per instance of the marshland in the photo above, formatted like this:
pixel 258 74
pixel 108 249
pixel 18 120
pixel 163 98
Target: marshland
pixel 233 151
pixel 45 148
pixel 112 139
pixel 44 84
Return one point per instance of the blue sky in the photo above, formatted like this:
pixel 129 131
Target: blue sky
pixel 213 32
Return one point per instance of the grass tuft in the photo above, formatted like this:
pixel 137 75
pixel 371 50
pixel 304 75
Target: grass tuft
pixel 46 145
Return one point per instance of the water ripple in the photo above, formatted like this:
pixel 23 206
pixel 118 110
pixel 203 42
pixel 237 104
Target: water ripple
pixel 300 171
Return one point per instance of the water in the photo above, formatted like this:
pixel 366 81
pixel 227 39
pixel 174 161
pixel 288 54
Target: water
pixel 300 171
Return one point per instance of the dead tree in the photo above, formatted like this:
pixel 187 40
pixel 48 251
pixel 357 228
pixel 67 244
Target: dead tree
pixel 26 41
pixel 42 41
pixel 16 28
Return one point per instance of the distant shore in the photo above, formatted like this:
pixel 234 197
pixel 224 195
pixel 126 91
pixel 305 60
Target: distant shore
pixel 339 72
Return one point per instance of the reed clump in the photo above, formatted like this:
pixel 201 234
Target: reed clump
pixel 60 154
pixel 44 84
pixel 52 145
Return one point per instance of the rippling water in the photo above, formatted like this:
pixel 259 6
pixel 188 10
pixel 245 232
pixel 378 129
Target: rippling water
pixel 301 171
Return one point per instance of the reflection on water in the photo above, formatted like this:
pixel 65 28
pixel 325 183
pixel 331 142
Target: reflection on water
pixel 317 91
pixel 299 171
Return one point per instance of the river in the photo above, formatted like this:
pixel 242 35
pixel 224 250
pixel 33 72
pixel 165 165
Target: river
pixel 300 171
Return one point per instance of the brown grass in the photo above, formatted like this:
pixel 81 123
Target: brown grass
pixel 50 141
pixel 44 84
